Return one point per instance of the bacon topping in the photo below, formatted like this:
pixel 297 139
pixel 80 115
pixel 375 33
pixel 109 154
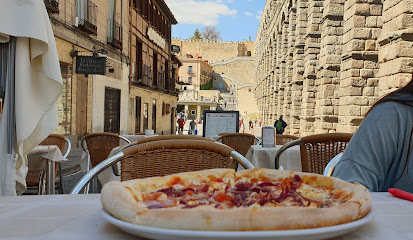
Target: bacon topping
pixel 242 194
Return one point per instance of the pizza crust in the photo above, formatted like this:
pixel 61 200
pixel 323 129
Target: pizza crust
pixel 122 200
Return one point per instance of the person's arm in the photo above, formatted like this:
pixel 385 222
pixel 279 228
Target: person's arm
pixel 373 149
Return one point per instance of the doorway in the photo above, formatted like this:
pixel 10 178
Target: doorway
pixel 81 106
pixel 112 110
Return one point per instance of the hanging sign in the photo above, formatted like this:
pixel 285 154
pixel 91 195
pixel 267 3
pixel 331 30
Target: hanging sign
pixel 90 65
pixel 156 38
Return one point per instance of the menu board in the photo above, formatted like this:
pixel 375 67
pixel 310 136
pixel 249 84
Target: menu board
pixel 216 122
pixel 268 136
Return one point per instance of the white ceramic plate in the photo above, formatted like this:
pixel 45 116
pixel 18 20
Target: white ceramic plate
pixel 170 234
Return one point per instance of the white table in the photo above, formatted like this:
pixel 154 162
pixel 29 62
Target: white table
pixel 78 217
pixel 135 138
pixel 264 157
pixel 50 153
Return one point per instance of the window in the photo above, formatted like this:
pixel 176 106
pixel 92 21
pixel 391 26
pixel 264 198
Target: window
pixel 145 116
pixel 190 80
pixel 189 69
pixel 193 112
pixel 163 108
pixel 154 115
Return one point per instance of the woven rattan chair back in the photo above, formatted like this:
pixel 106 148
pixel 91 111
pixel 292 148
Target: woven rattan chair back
pixel 317 150
pixel 282 139
pixel 241 142
pixel 99 145
pixel 173 137
pixel 35 178
pixel 164 157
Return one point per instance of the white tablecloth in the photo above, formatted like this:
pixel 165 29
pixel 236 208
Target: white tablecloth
pixel 107 175
pixel 264 157
pixel 135 138
pixel 68 217
pixel 38 155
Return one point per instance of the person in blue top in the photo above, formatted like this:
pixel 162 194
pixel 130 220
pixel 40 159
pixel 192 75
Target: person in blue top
pixel 379 155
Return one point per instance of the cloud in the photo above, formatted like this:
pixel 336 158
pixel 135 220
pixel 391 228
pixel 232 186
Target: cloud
pixel 248 13
pixel 259 14
pixel 204 13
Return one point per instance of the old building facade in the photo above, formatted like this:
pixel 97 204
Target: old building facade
pixel 322 64
pixel 195 80
pixel 152 95
pixel 91 103
pixel 233 66
pixel 109 102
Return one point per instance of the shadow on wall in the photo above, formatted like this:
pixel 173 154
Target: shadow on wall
pixel 220 83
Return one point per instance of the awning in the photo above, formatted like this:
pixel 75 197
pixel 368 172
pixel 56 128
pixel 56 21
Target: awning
pixel 37 82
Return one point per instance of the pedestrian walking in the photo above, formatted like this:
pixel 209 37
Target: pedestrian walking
pixel 249 124
pixel 280 125
pixel 193 127
pixel 181 124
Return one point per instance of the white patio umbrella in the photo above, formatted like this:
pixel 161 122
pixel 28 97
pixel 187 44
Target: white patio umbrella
pixel 37 86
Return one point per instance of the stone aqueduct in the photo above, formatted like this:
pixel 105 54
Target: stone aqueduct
pixel 322 63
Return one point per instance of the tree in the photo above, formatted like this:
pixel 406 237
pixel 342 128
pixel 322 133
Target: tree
pixel 210 33
pixel 197 35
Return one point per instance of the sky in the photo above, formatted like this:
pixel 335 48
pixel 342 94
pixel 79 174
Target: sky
pixel 236 20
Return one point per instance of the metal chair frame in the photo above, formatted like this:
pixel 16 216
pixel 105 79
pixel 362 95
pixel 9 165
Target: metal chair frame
pixel 83 145
pixel 47 178
pixel 328 171
pixel 332 136
pixel 119 156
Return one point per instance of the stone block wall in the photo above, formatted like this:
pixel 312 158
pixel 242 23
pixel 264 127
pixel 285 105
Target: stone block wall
pixel 323 63
pixel 213 50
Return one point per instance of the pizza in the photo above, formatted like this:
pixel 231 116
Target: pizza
pixel 247 200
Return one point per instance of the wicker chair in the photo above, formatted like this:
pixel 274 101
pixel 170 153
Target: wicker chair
pixel 158 138
pixel 37 178
pixel 282 139
pixel 317 150
pixel 99 145
pixel 241 142
pixel 140 133
pixel 163 157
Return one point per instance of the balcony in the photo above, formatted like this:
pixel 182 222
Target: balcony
pixel 88 18
pixel 115 34
pixel 52 6
pixel 147 75
pixel 161 80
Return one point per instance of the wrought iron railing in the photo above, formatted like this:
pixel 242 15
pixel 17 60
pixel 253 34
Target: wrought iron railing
pixel 88 22
pixel 146 75
pixel 161 80
pixel 52 6
pixel 115 34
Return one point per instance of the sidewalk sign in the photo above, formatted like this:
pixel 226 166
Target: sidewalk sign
pixel 268 136
pixel 216 122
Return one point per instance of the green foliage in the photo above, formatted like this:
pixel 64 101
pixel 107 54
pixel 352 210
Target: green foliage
pixel 207 85
pixel 197 34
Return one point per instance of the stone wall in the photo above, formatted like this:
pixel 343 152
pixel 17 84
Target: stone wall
pixel 213 50
pixel 323 63
pixel 233 70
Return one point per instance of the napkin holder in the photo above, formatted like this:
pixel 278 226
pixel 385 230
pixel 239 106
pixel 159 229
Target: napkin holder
pixel 268 136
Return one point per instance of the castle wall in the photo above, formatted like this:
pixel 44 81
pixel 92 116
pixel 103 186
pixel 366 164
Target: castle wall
pixel 213 50
pixel 323 63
